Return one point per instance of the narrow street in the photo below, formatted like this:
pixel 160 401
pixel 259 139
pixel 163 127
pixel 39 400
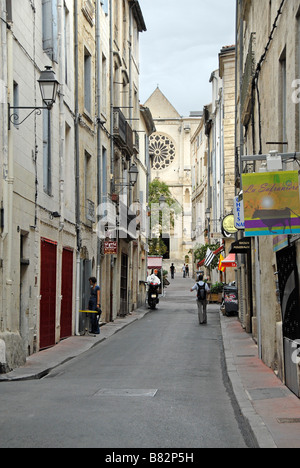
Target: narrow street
pixel 159 383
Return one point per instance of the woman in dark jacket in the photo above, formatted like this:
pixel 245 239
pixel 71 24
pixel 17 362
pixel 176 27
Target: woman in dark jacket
pixel 94 304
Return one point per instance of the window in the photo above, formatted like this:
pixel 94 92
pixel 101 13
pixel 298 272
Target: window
pixel 50 33
pixel 47 151
pixel 283 100
pixel 8 11
pixel 104 174
pixel 88 182
pixel 104 85
pixel 66 39
pixel 69 174
pixel 87 81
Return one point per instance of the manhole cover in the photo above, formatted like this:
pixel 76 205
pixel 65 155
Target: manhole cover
pixel 129 392
pixel 267 393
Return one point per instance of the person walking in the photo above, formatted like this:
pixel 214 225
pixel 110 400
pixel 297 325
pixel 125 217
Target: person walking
pixel 94 305
pixel 172 269
pixel 183 270
pixel 202 291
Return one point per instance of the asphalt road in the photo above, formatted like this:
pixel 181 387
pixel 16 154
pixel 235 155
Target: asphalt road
pixel 159 383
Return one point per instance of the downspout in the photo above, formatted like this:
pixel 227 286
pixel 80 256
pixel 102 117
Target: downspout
pixel 61 115
pixel 111 98
pixel 4 106
pixel 10 186
pixel 77 181
pixel 99 149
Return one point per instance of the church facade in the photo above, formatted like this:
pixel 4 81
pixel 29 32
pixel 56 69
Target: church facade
pixel 170 154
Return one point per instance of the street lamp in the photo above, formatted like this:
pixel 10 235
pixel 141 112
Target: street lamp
pixel 162 202
pixel 133 175
pixel 48 87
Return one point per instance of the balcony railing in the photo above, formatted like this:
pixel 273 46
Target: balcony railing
pixel 123 133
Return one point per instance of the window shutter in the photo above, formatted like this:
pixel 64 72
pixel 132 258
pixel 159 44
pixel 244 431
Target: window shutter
pixel 49 9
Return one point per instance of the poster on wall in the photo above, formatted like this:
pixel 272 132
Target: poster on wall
pixel 271 203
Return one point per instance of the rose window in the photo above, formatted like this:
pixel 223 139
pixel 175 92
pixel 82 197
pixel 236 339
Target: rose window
pixel 162 151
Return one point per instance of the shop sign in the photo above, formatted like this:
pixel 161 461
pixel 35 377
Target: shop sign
pixel 228 226
pixel 238 210
pixel 110 248
pixel 271 203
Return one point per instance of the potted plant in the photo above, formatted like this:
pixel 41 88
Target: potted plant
pixel 216 292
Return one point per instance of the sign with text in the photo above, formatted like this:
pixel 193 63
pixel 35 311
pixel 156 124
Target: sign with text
pixel 271 203
pixel 238 209
pixel 110 248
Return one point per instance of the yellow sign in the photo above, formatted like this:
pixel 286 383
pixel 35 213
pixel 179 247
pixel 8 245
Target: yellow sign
pixel 228 224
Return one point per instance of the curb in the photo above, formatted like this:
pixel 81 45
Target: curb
pixel 42 363
pixel 260 430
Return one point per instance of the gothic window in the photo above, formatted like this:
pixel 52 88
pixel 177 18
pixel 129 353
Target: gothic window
pixel 162 151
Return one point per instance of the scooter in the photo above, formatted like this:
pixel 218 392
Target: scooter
pixel 153 295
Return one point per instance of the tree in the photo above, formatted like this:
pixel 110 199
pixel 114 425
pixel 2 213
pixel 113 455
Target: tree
pixel 156 190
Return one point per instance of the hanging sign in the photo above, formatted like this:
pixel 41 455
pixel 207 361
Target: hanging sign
pixel 228 227
pixel 238 209
pixel 110 248
pixel 271 203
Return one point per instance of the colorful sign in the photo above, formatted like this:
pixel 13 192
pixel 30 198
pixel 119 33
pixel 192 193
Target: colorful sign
pixel 271 203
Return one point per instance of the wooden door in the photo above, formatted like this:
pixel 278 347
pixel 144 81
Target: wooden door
pixel 48 294
pixel 67 294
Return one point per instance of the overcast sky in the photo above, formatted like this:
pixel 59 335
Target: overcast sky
pixel 180 48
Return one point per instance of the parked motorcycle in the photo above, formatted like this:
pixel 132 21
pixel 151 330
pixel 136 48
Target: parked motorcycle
pixel 153 299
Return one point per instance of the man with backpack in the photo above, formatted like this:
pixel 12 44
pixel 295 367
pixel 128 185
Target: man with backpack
pixel 202 291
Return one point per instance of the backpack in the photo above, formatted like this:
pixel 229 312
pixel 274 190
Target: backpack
pixel 201 294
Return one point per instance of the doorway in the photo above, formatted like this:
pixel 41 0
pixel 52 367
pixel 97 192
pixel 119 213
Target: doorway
pixel 124 285
pixel 67 294
pixel 289 298
pixel 48 293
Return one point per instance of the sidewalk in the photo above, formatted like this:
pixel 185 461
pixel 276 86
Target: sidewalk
pixel 40 364
pixel 272 410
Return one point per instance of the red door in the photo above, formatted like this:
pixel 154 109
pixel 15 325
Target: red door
pixel 48 294
pixel 67 294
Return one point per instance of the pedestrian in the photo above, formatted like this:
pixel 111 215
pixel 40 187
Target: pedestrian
pixel 202 291
pixel 172 269
pixel 183 270
pixel 94 305
pixel 187 270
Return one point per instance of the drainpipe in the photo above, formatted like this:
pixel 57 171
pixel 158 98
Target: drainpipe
pixel 3 76
pixel 99 149
pixel 111 97
pixel 77 305
pixel 10 186
pixel 61 115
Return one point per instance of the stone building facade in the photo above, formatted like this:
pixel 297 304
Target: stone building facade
pixel 59 167
pixel 268 119
pixel 213 161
